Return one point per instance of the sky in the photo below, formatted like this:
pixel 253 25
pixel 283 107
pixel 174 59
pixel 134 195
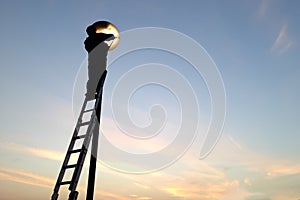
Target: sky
pixel 254 44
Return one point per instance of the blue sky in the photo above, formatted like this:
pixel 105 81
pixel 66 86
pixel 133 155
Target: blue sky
pixel 255 45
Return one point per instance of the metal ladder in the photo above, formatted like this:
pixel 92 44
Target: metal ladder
pixel 92 127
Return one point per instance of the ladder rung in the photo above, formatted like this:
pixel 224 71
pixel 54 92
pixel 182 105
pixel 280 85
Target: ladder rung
pixel 84 123
pixel 80 136
pixel 89 110
pixel 70 166
pixel 65 182
pixel 87 100
pixel 75 151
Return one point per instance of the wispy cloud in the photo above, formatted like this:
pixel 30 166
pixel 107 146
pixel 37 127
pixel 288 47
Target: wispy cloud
pixel 203 191
pixel 137 197
pixel 262 8
pixel 257 173
pixel 283 41
pixel 25 177
pixel 28 178
pixel 144 198
pixel 287 169
pixel 37 152
pixel 110 195
pixel 194 179
pixel 232 171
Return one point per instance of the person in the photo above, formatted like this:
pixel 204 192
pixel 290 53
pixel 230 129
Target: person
pixel 97 47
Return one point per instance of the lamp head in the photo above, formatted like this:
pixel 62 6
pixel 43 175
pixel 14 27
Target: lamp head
pixel 107 28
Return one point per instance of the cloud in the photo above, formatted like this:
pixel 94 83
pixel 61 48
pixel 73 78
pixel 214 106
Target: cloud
pixel 283 41
pixel 144 198
pixel 283 169
pixel 25 177
pixel 262 8
pixel 277 187
pixel 28 178
pixel 260 176
pixel 109 195
pixel 258 197
pixel 38 152
pixel 232 171
pixel 207 190
pixel 247 181
pixel 193 179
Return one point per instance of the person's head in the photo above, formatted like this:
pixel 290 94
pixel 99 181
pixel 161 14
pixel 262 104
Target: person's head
pixel 91 30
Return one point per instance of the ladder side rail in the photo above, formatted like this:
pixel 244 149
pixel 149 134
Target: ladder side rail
pixel 83 152
pixel 68 155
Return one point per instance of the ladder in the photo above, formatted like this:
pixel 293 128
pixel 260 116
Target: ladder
pixel 92 130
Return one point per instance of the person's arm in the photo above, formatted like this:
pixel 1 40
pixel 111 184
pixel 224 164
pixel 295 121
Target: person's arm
pixel 109 37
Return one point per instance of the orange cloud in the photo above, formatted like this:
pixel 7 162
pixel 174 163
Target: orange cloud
pixel 39 152
pixel 25 177
pixel 278 170
pixel 203 191
pixel 20 176
pixel 110 195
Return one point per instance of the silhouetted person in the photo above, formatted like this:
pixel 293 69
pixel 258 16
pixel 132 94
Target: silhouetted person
pixel 97 52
